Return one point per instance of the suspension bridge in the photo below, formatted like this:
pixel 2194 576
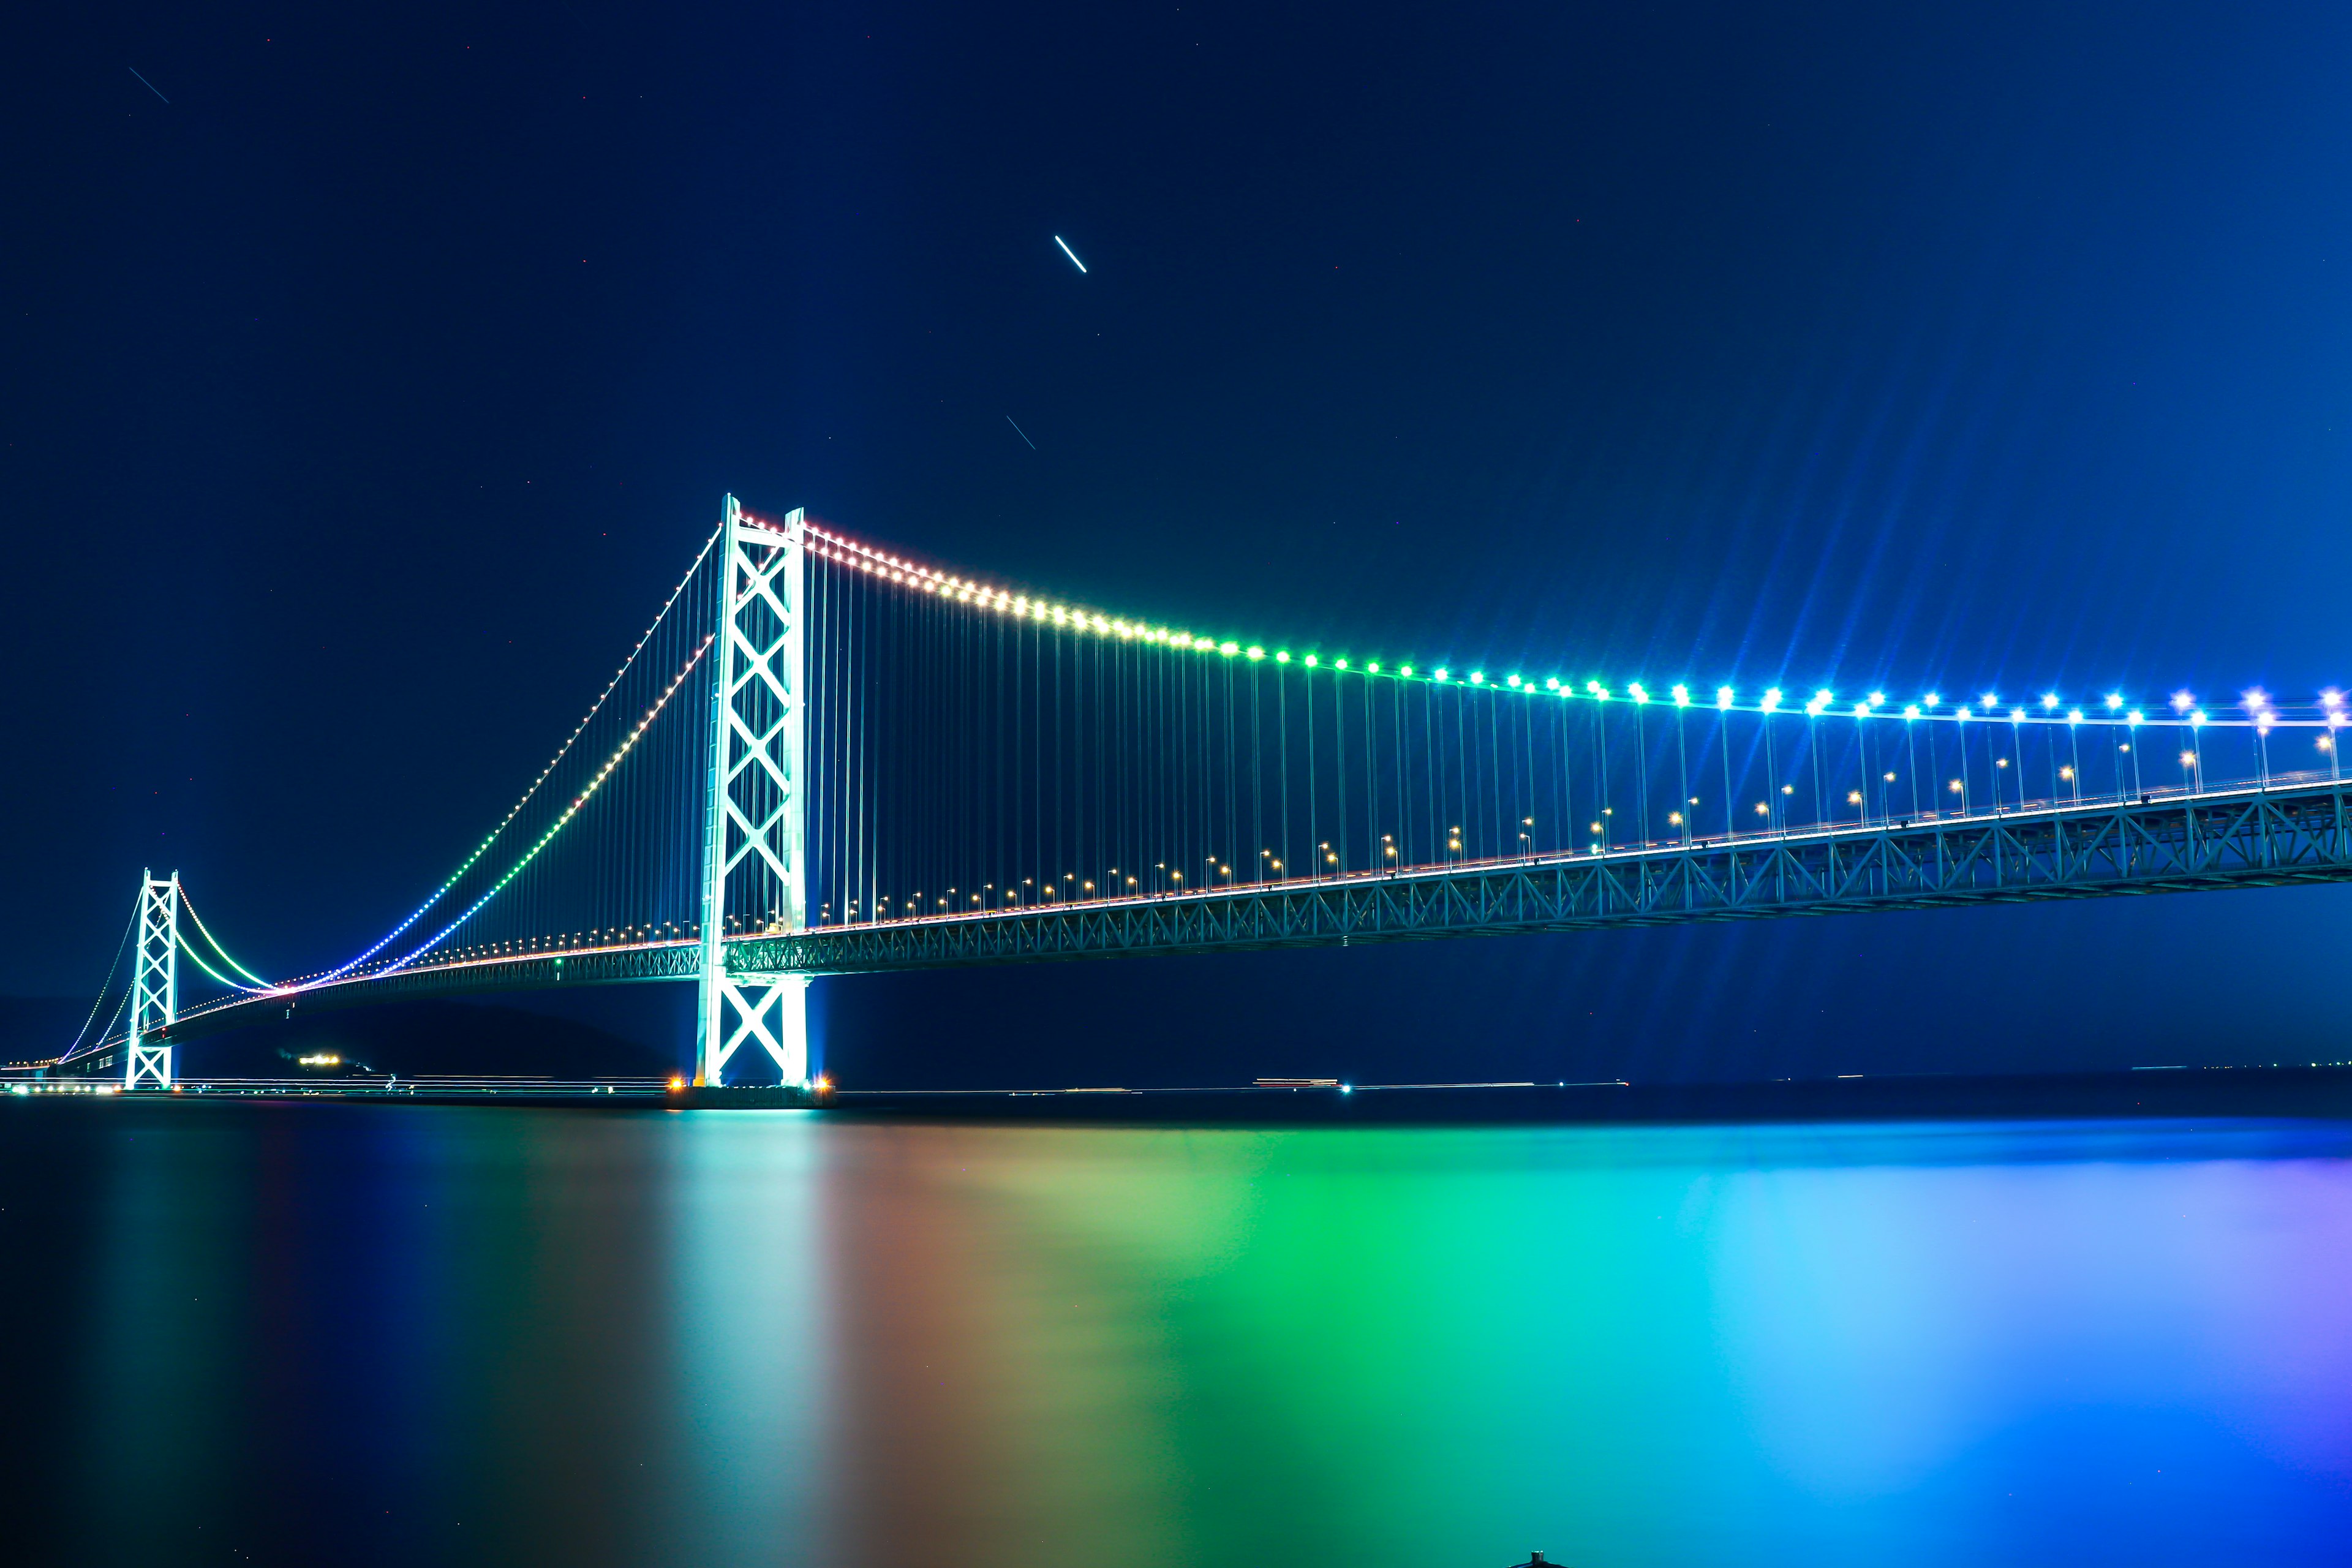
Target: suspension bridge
pixel 828 757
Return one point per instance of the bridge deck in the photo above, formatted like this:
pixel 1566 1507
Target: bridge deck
pixel 2295 831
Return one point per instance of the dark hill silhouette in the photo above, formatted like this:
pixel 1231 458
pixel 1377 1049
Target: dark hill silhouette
pixel 414 1039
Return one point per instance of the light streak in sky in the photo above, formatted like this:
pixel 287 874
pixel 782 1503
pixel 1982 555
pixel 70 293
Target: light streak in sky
pixel 1068 252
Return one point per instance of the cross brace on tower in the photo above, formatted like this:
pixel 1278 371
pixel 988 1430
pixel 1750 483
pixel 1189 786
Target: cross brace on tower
pixel 755 837
pixel 155 983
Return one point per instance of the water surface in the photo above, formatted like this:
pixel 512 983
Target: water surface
pixel 401 1333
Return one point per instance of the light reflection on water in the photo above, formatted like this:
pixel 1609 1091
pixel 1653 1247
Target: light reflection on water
pixel 403 1334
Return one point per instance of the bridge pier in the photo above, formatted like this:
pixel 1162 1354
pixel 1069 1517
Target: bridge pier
pixel 755 835
pixel 772 1011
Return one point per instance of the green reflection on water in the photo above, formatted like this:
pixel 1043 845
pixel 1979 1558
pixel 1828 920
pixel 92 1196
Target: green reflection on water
pixel 486 1336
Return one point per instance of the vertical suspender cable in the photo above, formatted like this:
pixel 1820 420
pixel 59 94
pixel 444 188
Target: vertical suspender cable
pixel 1642 768
pixel 1400 804
pixel 1461 763
pixel 1496 717
pixel 1339 770
pixel 1601 732
pixel 1436 850
pixel 1723 739
pixel 1282 768
pixel 1257 793
pixel 1563 764
pixel 1231 851
pixel 1314 841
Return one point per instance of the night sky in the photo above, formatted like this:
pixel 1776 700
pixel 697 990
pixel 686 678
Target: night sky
pixel 362 402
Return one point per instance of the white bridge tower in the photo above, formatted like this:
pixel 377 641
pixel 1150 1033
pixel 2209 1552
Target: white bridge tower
pixel 154 984
pixel 755 837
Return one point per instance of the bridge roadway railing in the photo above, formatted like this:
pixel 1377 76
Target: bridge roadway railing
pixel 2295 830
pixel 2298 829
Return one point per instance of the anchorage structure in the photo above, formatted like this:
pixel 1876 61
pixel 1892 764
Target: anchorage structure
pixel 756 835
pixel 155 983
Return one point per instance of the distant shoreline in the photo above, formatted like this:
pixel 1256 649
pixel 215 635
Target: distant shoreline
pixel 2267 1092
pixel 2270 1093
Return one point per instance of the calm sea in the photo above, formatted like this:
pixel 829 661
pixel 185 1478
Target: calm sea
pixel 406 1334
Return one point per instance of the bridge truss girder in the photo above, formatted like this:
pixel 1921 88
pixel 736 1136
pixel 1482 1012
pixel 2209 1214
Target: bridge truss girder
pixel 2285 835
pixel 2253 839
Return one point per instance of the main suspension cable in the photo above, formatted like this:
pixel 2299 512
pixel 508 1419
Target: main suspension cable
pixel 586 795
pixel 103 988
pixel 223 953
pixel 544 775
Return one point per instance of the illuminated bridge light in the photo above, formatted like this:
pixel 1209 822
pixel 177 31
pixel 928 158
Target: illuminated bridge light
pixel 1249 741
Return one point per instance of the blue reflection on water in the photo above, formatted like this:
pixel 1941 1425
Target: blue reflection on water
pixel 402 1335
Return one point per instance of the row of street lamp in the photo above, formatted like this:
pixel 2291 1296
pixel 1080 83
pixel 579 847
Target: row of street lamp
pixel 2067 782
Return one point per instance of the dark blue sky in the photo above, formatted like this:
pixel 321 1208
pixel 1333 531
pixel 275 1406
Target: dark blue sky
pixel 360 403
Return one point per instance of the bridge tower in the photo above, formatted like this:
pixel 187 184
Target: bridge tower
pixel 755 835
pixel 155 983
